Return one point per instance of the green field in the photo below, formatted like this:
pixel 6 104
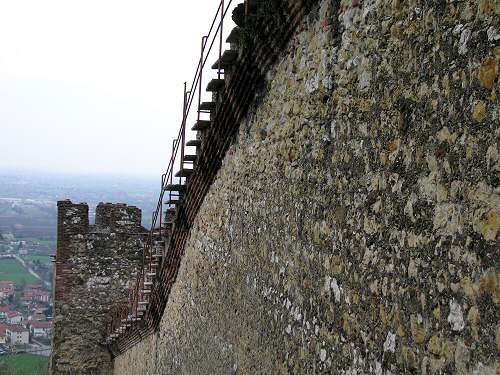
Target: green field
pixel 24 364
pixel 11 269
pixel 42 258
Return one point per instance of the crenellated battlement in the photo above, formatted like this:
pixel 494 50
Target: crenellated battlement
pixel 94 267
pixel 73 218
pixel 118 217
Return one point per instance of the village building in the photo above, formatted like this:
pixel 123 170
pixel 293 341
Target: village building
pixel 18 335
pixel 3 312
pixel 38 313
pixel 34 293
pixel 40 328
pixel 3 333
pixel 14 317
pixel 7 288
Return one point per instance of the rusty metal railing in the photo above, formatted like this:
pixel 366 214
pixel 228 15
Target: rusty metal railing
pixel 124 316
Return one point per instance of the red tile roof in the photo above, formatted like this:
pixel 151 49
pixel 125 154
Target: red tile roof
pixel 33 286
pixel 18 329
pixel 40 324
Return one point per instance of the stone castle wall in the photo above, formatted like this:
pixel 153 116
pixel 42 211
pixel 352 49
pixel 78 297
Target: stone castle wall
pixel 353 226
pixel 95 266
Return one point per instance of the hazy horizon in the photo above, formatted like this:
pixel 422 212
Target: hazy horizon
pixel 95 87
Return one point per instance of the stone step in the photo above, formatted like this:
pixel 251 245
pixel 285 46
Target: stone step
pixel 173 198
pixel 227 60
pixel 172 202
pixel 175 187
pixel 235 36
pixel 239 14
pixel 194 143
pixel 190 158
pixel 215 85
pixel 207 106
pixel 184 172
pixel 201 125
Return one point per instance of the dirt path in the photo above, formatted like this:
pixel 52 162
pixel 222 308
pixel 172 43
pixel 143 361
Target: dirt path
pixel 25 266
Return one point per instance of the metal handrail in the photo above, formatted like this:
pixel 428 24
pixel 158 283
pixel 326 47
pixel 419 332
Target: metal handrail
pixel 135 294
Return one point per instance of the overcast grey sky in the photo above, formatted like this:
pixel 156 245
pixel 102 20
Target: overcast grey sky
pixel 95 86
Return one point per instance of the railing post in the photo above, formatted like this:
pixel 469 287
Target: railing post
pixel 183 130
pixel 151 246
pixel 161 203
pixel 220 42
pixel 203 41
pixel 172 160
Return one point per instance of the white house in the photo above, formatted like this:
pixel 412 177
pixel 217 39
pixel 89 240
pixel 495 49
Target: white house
pixel 14 317
pixel 18 335
pixel 40 328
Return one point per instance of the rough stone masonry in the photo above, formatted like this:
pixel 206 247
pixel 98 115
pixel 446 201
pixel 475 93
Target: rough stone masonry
pixel 354 224
pixel 95 266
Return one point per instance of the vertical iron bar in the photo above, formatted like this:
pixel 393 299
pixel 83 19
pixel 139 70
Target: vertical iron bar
pixel 174 142
pixel 203 41
pixel 183 130
pixel 221 32
pixel 151 251
pixel 161 202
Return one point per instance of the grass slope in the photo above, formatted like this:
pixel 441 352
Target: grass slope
pixel 11 269
pixel 42 258
pixel 26 364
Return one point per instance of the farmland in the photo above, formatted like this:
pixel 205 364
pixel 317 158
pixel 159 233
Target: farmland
pixel 24 364
pixel 11 269
pixel 45 259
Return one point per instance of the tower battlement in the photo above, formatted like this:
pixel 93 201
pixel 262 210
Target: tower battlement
pixel 118 217
pixel 94 269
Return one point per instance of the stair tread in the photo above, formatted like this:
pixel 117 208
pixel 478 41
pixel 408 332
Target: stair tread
pixel 235 35
pixel 215 85
pixel 201 125
pixel 175 187
pixel 194 142
pixel 227 59
pixel 172 201
pixel 184 173
pixel 207 106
